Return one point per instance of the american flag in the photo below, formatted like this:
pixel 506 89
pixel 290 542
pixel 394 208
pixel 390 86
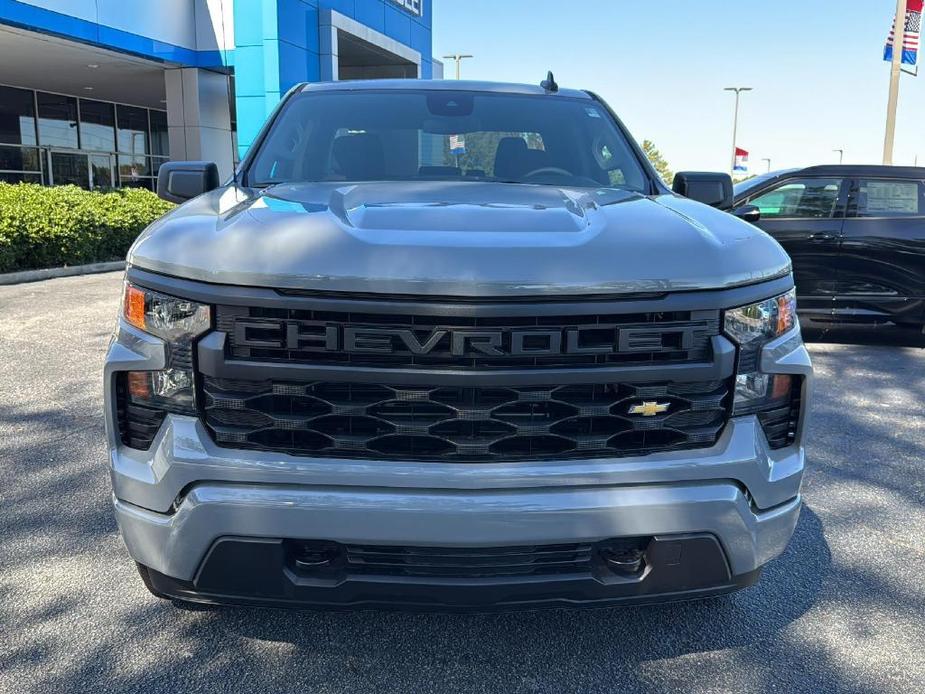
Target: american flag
pixel 911 32
pixel 457 144
pixel 741 165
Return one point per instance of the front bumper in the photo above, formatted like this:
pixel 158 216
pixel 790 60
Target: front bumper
pixel 176 504
pixel 738 492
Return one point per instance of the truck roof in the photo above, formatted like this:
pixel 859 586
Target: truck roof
pixel 439 85
pixel 864 170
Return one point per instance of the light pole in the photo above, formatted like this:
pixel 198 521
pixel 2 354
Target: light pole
pixel 735 123
pixel 769 164
pixel 841 155
pixel 458 57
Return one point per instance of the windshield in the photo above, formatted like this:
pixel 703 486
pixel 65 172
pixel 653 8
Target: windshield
pixel 446 135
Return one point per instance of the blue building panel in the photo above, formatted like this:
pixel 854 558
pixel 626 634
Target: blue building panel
pixel 247 31
pixel 397 24
pixel 298 23
pixel 348 8
pixel 252 112
pixel 249 77
pixel 420 39
pixel 371 14
pixel 296 65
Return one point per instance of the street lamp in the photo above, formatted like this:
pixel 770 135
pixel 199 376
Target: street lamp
pixel 735 122
pixel 841 154
pixel 769 163
pixel 458 57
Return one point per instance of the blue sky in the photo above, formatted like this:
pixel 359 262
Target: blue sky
pixel 815 66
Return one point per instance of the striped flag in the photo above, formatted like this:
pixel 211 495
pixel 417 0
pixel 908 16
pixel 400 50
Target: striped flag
pixel 741 165
pixel 457 144
pixel 913 28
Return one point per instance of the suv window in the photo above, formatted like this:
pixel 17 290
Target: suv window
pixel 417 135
pixel 885 198
pixel 799 197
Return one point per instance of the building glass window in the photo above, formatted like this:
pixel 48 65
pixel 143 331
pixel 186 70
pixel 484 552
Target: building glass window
pixel 17 128
pixel 97 126
pixel 101 170
pixel 159 142
pixel 57 120
pixel 125 144
pixel 133 129
pixel 17 116
pixel 70 168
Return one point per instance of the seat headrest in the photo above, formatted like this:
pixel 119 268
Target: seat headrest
pixel 510 157
pixel 360 157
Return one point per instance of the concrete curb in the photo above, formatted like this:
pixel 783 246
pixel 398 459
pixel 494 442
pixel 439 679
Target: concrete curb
pixel 50 273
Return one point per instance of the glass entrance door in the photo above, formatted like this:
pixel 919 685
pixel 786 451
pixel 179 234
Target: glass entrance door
pixel 69 167
pixel 92 171
pixel 101 171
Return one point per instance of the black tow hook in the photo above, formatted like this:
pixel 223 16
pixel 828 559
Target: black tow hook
pixel 627 562
pixel 311 556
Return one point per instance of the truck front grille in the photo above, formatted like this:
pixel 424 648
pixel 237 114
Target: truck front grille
pixel 464 424
pixel 415 340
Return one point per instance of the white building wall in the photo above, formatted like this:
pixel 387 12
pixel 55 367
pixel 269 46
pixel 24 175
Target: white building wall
pixel 193 24
pixel 81 9
pixel 214 24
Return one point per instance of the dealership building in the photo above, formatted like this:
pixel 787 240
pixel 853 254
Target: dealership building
pixel 98 93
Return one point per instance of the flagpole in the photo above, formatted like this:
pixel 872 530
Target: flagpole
pixel 899 29
pixel 735 128
pixel 735 124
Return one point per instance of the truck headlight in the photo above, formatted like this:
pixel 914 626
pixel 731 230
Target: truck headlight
pixel 178 322
pixel 773 397
pixel 761 322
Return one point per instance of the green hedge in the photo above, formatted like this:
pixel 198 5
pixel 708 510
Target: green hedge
pixel 51 227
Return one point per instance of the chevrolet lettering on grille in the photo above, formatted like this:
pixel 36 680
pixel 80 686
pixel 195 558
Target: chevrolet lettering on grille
pixel 495 342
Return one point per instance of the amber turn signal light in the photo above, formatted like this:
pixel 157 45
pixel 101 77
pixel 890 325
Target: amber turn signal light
pixel 133 306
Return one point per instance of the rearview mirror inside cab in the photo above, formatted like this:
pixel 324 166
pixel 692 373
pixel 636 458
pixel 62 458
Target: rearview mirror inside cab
pixel 714 189
pixel 179 181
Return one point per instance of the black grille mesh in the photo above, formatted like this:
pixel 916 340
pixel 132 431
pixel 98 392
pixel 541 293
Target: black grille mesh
pixel 482 562
pixel 463 424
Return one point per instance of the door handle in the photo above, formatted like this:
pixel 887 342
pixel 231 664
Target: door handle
pixel 822 236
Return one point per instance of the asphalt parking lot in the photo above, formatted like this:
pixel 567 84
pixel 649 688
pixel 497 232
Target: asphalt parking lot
pixel 842 610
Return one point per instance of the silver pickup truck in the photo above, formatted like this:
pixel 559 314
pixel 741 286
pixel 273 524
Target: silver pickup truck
pixel 453 345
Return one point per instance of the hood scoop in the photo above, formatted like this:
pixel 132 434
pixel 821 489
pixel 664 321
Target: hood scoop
pixel 454 207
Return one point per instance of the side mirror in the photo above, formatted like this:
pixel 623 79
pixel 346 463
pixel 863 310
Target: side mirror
pixel 713 189
pixel 748 213
pixel 179 181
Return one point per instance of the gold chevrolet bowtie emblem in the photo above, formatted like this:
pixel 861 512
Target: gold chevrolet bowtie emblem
pixel 649 408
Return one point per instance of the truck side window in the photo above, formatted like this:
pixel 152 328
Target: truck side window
pixel 799 198
pixel 886 198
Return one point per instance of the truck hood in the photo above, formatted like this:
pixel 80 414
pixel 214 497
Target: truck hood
pixel 466 239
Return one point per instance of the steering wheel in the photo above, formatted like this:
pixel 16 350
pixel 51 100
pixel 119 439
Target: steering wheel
pixel 555 170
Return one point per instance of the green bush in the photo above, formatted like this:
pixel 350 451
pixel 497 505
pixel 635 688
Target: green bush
pixel 50 227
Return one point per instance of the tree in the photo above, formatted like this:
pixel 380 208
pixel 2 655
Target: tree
pixel 658 161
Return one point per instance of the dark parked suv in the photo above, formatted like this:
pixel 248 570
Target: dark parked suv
pixel 856 235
